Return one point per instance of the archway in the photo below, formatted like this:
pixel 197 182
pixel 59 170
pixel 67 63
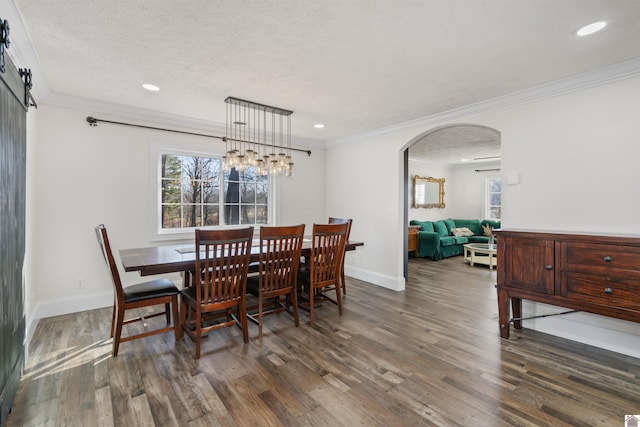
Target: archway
pixel 456 147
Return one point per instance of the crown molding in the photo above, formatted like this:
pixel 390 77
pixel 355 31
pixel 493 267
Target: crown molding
pixel 600 76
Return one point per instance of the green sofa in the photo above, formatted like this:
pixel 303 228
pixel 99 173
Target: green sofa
pixel 436 240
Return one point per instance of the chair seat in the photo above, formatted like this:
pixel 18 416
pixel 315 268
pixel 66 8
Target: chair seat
pixel 146 290
pixel 190 293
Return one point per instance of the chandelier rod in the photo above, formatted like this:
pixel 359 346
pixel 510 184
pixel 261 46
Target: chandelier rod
pixel 94 122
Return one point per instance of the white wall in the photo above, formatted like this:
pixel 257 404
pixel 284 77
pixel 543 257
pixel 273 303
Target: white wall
pixel 81 176
pixel 464 189
pixel 577 159
pixel 424 169
pixel 467 189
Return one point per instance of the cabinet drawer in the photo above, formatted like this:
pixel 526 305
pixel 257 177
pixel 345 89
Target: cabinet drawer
pixel 623 292
pixel 598 256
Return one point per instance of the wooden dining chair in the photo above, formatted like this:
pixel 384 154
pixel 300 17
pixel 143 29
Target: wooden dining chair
pixel 154 292
pixel 219 284
pixel 276 282
pixel 322 274
pixel 332 220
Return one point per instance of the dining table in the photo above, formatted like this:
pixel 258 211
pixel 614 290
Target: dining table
pixel 181 258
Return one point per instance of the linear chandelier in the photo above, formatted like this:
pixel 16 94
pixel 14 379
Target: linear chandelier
pixel 258 136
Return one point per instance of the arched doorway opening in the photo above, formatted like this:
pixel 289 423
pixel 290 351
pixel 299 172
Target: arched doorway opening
pixel 465 155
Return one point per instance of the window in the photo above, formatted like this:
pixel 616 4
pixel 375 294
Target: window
pixel 196 192
pixel 493 198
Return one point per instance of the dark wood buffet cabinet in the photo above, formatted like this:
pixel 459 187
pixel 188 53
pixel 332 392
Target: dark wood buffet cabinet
pixel 593 273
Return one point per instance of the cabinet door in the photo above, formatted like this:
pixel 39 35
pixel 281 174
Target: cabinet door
pixel 530 264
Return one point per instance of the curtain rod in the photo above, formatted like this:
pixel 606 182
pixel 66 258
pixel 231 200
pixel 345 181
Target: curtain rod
pixel 94 122
pixel 487 170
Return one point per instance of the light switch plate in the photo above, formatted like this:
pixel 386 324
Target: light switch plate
pixel 512 178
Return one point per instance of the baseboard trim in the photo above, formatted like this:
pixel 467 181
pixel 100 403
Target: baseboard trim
pixel 382 280
pixel 615 335
pixel 60 306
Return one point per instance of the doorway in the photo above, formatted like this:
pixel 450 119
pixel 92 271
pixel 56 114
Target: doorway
pixel 464 152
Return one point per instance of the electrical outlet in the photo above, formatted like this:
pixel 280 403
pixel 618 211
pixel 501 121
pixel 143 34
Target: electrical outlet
pixel 80 283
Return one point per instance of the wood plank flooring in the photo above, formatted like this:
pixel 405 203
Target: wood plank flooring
pixel 429 356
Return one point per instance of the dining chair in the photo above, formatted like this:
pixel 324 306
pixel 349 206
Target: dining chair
pixel 280 249
pixel 332 220
pixel 322 274
pixel 146 294
pixel 219 284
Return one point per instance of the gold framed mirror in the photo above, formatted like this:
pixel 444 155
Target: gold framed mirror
pixel 428 192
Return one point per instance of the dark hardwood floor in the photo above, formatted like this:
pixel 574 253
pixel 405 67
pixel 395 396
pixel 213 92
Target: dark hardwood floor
pixel 431 355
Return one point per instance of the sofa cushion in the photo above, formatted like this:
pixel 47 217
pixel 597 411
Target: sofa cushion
pixel 450 225
pixel 441 228
pixel 424 225
pixel 471 224
pixel 461 240
pixel 478 239
pixel 448 240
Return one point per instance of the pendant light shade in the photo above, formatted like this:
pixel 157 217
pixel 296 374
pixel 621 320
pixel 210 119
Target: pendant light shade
pixel 258 136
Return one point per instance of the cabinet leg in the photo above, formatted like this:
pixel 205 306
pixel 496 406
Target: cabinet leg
pixel 516 309
pixel 503 313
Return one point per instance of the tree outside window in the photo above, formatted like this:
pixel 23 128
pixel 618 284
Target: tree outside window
pixel 191 192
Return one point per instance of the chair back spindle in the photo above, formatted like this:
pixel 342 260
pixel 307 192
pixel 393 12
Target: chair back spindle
pixel 224 261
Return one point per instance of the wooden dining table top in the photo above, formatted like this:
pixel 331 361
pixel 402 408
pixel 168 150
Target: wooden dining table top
pixel 181 257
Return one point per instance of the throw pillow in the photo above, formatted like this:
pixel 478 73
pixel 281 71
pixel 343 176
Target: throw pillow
pixel 462 231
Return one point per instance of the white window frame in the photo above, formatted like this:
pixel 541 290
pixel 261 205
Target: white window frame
pixel 487 196
pixel 160 234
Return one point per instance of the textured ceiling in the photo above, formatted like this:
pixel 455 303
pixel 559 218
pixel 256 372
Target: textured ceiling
pixel 452 144
pixel 353 65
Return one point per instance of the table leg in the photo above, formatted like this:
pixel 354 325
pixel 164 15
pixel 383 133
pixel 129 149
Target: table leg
pixel 186 279
pixel 503 313
pixel 516 310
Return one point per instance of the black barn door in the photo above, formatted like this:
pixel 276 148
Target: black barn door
pixel 13 145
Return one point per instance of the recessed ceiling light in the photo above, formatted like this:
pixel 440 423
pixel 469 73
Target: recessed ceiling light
pixel 318 126
pixel 150 87
pixel 591 28
pixel 464 160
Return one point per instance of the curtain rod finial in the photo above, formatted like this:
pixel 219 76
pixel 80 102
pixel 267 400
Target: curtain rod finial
pixel 92 121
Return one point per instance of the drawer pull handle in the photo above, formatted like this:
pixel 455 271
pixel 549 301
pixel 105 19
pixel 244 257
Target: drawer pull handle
pixel 608 291
pixel 549 267
pixel 608 258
